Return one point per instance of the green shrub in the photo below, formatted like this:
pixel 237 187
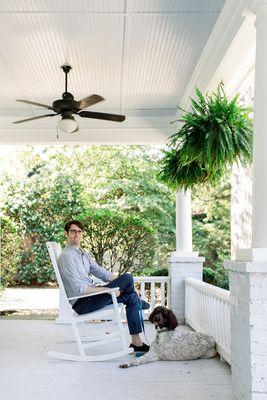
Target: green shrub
pixel 10 251
pixel 153 272
pixel 217 277
pixel 119 241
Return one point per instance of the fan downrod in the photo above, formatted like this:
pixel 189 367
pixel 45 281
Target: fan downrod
pixel 66 69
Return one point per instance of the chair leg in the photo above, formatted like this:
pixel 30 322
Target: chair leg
pixel 119 322
pixel 78 339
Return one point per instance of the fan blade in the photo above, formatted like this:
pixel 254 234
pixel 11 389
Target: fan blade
pixel 98 115
pixel 36 104
pixel 89 101
pixel 31 119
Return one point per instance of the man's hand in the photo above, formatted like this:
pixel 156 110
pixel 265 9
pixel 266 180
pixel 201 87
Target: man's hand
pixel 117 293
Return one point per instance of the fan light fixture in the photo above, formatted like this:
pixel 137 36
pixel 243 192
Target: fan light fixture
pixel 67 125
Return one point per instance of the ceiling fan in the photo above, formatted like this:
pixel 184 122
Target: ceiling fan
pixel 67 106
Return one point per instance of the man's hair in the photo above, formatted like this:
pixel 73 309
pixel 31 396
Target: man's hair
pixel 73 222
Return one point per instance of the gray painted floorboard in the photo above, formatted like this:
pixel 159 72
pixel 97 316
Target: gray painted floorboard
pixel 27 374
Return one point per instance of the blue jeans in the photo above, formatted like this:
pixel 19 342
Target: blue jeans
pixel 128 297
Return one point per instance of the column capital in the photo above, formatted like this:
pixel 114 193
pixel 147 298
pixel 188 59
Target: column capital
pixel 252 254
pixel 247 267
pixel 185 257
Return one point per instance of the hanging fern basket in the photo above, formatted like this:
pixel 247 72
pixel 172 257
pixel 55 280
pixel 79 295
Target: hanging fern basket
pixel 214 135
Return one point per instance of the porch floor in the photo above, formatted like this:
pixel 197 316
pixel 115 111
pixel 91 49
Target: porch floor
pixel 26 373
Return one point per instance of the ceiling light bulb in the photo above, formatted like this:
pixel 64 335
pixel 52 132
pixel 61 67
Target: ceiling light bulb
pixel 67 124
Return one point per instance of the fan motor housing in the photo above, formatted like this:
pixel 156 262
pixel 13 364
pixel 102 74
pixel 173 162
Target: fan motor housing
pixel 62 105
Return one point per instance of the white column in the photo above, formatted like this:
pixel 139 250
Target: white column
pixel 248 275
pixel 183 262
pixel 259 198
pixel 184 225
pixel 183 221
pixel 259 193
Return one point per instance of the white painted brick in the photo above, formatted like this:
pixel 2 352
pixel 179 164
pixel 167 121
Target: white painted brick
pixel 259 396
pixel 178 272
pixel 258 371
pixel 259 320
pixel 259 348
pixel 249 335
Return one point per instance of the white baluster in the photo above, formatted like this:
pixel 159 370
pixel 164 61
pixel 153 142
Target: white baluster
pixel 152 295
pixel 168 295
pixel 162 291
pixel 143 293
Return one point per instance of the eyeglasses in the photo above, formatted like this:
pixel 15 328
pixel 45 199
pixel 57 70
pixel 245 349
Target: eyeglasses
pixel 78 231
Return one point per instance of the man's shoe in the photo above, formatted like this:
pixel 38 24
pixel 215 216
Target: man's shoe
pixel 140 349
pixel 145 305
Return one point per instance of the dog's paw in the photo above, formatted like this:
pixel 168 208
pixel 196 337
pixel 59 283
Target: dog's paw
pixel 124 365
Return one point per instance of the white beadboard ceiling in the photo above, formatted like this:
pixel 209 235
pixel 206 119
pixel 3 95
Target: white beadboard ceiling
pixel 138 54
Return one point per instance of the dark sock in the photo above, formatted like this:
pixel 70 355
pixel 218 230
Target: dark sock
pixel 144 348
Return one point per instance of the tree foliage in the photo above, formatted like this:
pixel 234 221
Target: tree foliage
pixel 10 247
pixel 115 191
pixel 55 184
pixel 212 230
pixel 119 241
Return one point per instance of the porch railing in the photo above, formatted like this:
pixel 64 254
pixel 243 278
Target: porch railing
pixel 155 290
pixel 207 309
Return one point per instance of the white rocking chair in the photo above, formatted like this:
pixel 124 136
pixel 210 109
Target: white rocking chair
pixel 111 312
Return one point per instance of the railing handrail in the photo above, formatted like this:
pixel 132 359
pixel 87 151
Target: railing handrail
pixel 151 278
pixel 205 287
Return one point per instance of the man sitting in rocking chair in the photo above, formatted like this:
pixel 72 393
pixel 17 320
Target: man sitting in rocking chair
pixel 76 266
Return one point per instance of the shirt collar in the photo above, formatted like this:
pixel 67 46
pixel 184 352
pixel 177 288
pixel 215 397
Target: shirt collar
pixel 74 248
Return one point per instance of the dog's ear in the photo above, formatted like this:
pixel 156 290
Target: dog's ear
pixel 172 322
pixel 151 316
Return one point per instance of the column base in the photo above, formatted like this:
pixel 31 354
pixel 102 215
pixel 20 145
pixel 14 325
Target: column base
pixel 248 287
pixel 182 265
pixel 185 256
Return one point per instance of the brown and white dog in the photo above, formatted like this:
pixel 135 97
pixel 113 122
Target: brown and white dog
pixel 172 344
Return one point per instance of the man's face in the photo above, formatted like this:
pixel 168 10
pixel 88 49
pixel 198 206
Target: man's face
pixel 74 235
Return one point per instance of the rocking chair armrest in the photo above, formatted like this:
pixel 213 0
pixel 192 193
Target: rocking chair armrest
pixel 108 290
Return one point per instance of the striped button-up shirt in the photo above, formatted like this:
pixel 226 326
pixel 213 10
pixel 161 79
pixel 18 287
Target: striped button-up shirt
pixel 76 267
